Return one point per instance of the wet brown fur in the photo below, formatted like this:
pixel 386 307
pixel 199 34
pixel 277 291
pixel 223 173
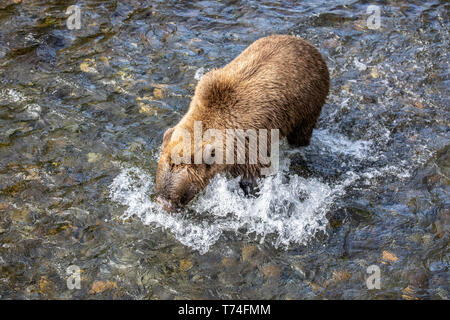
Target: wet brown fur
pixel 278 82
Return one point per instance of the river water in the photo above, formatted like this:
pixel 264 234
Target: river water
pixel 83 111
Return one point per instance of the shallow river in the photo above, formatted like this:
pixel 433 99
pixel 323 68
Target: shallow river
pixel 83 111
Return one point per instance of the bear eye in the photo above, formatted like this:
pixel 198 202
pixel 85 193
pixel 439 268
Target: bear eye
pixel 172 165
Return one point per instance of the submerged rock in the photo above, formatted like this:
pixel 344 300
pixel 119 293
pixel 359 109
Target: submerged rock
pixel 101 286
pixel 388 257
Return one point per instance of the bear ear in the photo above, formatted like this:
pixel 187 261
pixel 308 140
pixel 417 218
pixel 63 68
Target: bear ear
pixel 167 136
pixel 215 90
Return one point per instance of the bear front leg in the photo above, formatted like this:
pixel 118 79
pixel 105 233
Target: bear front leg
pixel 301 134
pixel 249 186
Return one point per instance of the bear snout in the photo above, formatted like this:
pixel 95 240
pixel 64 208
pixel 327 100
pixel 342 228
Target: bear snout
pixel 166 204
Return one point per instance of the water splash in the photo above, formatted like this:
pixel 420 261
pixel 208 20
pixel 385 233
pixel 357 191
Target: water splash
pixel 288 209
pixel 339 144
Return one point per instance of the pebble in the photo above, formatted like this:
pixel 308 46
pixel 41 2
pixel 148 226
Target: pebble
pixel 409 293
pixel 229 262
pixel 4 206
pixel 331 43
pixel 147 109
pixel 426 239
pixel 101 286
pixel 418 104
pixel 388 257
pixel 340 275
pixel 45 286
pixel 271 271
pixel 93 157
pixel 374 72
pixel 158 93
pixel 185 265
pixel 86 66
pixel 249 252
pixel 417 278
pixel 20 215
pixel 360 25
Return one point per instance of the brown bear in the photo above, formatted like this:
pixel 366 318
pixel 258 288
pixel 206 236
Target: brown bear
pixel 279 82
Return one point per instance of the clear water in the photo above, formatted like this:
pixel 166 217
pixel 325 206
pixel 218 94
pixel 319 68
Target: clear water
pixel 82 114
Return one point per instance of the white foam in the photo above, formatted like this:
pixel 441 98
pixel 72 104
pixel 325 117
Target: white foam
pixel 133 187
pixel 335 143
pixel 199 73
pixel 290 209
pixel 361 66
pixel 11 95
